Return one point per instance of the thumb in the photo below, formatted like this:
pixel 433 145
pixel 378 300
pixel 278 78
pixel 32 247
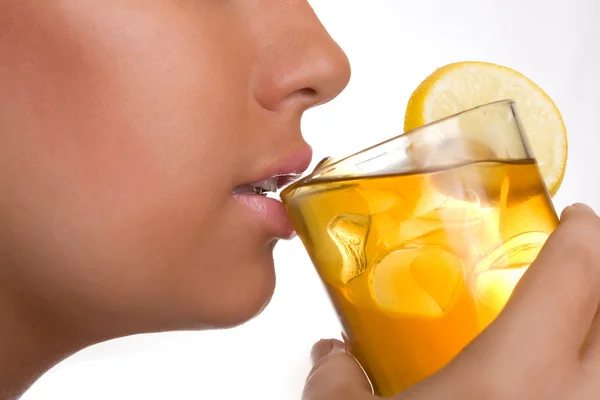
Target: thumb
pixel 335 374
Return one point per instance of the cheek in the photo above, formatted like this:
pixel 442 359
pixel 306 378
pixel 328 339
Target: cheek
pixel 121 127
pixel 122 156
pixel 105 216
pixel 109 94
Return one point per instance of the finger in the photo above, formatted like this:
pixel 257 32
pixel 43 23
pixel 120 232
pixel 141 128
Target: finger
pixel 590 351
pixel 555 302
pixel 577 209
pixel 335 375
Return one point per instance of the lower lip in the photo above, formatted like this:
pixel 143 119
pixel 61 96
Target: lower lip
pixel 271 212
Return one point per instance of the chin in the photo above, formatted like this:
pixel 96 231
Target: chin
pixel 244 299
pixel 245 313
pixel 239 313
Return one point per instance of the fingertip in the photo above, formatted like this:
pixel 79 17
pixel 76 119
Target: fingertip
pixel 583 207
pixel 324 347
pixel 575 209
pixel 565 212
pixel 320 350
pixel 335 373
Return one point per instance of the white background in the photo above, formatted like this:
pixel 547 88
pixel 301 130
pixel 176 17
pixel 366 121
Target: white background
pixel 393 45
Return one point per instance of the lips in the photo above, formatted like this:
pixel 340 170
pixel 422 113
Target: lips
pixel 271 185
pixel 271 212
pixel 279 175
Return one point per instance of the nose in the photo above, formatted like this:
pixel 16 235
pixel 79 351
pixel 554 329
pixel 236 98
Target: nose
pixel 300 65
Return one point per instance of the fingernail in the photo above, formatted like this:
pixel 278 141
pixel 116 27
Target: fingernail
pixel 324 348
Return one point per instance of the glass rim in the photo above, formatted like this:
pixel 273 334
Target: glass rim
pixel 412 132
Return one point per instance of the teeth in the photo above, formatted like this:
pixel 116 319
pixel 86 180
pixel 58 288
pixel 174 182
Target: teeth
pixel 262 187
pixel 244 189
pixel 269 185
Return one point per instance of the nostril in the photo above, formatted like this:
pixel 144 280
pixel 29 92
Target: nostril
pixel 308 92
pixel 304 98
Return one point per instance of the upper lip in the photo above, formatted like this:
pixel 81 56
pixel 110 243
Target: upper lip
pixel 287 170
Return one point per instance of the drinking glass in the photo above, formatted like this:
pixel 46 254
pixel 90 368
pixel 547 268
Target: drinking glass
pixel 421 239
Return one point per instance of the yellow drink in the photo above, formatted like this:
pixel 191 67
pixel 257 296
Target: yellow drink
pixel 418 264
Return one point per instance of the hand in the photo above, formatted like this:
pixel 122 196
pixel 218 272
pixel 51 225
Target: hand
pixel 544 345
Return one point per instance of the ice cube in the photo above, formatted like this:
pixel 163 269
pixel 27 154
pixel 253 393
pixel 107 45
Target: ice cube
pixel 415 232
pixel 431 225
pixel 448 152
pixel 349 232
pixel 497 274
pixel 415 224
pixel 519 251
pixel 480 182
pixel 471 229
pixel 389 201
pixel 461 206
pixel 419 282
pixel 491 290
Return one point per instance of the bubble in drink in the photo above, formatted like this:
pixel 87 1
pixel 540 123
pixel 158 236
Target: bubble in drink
pixel 349 232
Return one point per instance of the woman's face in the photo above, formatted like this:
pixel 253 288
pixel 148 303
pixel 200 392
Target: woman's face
pixel 125 128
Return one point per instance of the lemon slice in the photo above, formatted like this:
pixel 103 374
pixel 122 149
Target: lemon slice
pixel 461 86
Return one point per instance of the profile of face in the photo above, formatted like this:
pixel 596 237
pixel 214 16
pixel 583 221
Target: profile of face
pixel 126 126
